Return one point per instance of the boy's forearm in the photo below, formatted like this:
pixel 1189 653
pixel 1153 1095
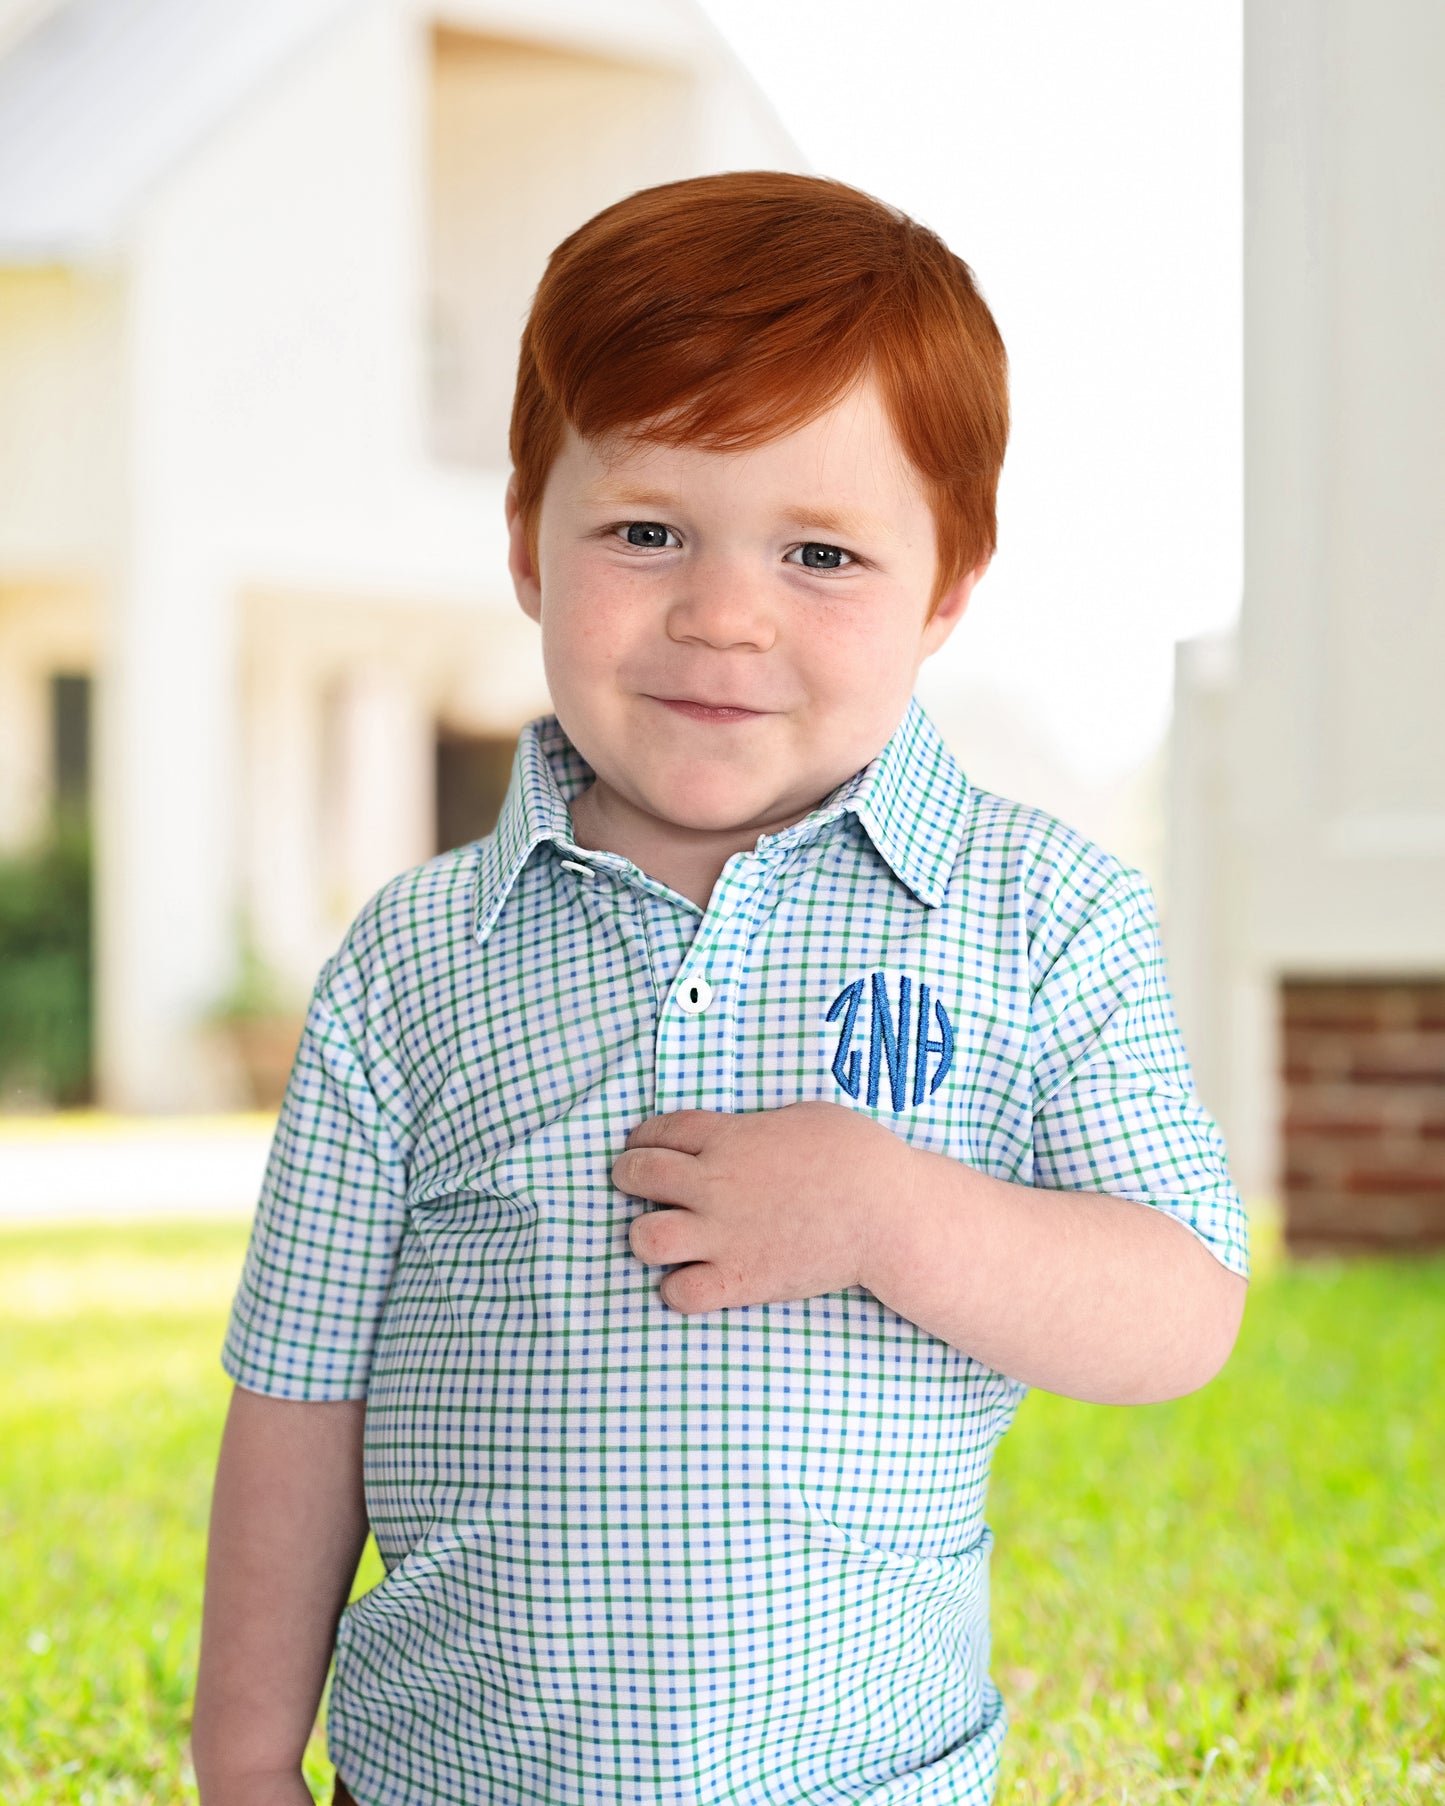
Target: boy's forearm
pixel 1079 1293
pixel 288 1523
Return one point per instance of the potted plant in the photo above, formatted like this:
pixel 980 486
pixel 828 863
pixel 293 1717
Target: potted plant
pixel 262 1020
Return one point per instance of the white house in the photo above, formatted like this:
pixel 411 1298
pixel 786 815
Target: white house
pixel 263 270
pixel 1307 878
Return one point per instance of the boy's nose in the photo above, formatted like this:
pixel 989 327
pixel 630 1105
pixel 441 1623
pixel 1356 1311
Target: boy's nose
pixel 721 605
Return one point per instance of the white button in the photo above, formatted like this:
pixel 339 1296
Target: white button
pixel 574 865
pixel 694 995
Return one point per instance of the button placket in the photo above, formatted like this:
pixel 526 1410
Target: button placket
pixel 692 991
pixel 696 1031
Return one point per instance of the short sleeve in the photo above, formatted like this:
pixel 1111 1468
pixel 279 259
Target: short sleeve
pixel 1115 1107
pixel 327 1227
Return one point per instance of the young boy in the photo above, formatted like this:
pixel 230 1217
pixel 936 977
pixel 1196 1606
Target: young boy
pixel 685 1182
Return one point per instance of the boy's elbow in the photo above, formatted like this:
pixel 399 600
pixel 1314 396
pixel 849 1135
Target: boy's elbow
pixel 1233 1290
pixel 1205 1349
pixel 1218 1331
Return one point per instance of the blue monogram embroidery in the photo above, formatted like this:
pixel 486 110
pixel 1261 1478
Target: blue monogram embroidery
pixel 888 1039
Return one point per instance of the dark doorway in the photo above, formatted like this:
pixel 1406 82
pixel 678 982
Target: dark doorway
pixel 70 742
pixel 471 781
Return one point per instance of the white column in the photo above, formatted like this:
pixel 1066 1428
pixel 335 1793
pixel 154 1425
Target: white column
pixel 282 780
pixel 1338 748
pixel 1202 876
pixel 165 781
pixel 24 726
pixel 386 790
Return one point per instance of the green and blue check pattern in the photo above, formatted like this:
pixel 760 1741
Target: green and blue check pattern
pixel 634 1556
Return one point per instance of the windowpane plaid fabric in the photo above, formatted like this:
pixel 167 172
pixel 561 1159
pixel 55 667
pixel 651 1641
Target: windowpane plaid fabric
pixel 633 1555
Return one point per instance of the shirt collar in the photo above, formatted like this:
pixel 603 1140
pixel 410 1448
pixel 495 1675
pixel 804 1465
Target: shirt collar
pixel 911 799
pixel 547 772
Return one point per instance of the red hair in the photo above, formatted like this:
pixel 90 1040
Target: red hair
pixel 728 310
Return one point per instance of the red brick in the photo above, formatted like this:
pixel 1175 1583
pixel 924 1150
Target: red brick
pixel 1345 1217
pixel 1396 1181
pixel 1330 1006
pixel 1355 1005
pixel 1305 1245
pixel 1352 1118
pixel 1311 1053
pixel 1390 1058
pixel 1315 1162
pixel 1364 1123
pixel 1395 1152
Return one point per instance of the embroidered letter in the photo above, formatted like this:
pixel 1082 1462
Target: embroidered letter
pixel 942 1046
pixel 846 1064
pixel 886 1039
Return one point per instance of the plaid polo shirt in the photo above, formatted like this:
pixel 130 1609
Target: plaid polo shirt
pixel 639 1556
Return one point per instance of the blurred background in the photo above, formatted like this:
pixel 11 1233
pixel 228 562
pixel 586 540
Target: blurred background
pixel 262 274
pixel 263 270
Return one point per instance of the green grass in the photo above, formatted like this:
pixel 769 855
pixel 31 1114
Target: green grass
pixel 1235 1596
pixel 110 1422
pixel 1239 1595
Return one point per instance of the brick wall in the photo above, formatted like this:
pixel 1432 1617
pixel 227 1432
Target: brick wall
pixel 1364 1129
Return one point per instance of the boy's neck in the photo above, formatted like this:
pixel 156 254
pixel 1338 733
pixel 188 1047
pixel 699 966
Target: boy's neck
pixel 687 860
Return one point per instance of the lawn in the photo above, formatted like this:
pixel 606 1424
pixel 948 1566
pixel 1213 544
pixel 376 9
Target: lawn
pixel 1232 1597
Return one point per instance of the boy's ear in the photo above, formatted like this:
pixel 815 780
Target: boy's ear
pixel 525 580
pixel 951 605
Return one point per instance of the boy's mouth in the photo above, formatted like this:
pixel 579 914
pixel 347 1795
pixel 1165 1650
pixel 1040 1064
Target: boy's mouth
pixel 707 711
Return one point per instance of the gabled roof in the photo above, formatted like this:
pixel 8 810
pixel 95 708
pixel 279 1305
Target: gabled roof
pixel 100 97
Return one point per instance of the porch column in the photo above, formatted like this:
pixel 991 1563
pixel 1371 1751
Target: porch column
pixel 165 826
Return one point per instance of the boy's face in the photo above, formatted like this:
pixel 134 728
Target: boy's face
pixel 788 582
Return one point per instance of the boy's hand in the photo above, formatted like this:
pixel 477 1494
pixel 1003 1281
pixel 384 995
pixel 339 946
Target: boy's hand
pixel 767 1205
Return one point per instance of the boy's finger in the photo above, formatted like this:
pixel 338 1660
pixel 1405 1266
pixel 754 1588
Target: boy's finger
pixel 685 1130
pixel 663 1238
pixel 696 1288
pixel 665 1175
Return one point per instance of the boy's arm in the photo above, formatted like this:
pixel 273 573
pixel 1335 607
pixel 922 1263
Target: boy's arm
pixel 288 1524
pixel 1094 1297
pixel 1062 1284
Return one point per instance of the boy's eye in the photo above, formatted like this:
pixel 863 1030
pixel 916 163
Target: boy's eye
pixel 822 558
pixel 648 533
